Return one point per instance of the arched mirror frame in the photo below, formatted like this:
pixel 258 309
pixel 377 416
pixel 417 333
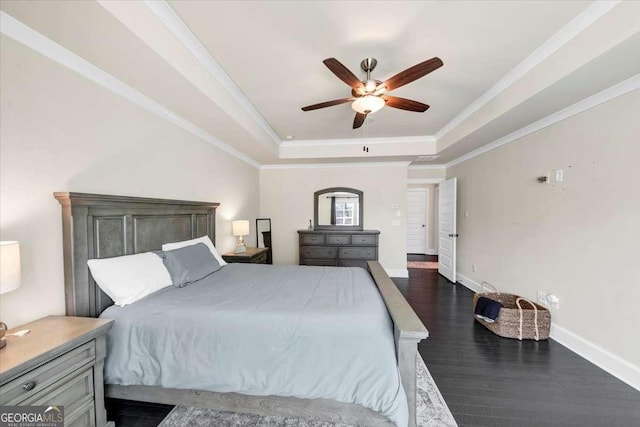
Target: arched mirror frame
pixel 317 195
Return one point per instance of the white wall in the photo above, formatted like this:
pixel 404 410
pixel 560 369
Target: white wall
pixel 60 132
pixel 415 173
pixel 578 238
pixel 286 196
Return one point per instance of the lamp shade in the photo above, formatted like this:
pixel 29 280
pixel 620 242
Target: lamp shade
pixel 9 266
pixel 240 228
pixel 367 104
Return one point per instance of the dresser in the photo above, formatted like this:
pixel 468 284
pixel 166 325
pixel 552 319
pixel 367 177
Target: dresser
pixel 338 248
pixel 60 362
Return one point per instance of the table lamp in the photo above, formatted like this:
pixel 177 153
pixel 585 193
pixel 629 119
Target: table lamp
pixel 9 275
pixel 240 228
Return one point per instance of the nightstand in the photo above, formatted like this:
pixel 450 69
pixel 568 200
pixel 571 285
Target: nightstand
pixel 60 362
pixel 251 256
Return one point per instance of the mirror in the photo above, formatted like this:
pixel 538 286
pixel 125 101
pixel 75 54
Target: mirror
pixel 263 236
pixel 338 208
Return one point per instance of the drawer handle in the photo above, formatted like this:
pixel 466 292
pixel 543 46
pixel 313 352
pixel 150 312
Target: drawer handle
pixel 29 386
pixel 313 238
pixel 368 253
pixel 330 252
pixel 346 252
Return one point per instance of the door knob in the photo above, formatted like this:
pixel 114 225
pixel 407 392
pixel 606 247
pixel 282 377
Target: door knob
pixel 422 225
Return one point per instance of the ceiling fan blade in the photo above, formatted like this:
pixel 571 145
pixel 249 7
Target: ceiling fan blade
pixel 405 104
pixel 359 120
pixel 327 104
pixel 413 73
pixel 343 73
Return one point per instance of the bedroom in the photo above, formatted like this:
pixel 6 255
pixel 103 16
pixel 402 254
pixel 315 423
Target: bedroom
pixel 115 98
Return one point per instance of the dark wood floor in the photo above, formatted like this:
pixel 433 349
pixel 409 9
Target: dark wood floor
pixel 486 380
pixel 491 381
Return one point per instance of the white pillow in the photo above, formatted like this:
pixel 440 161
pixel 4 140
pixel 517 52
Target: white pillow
pixel 204 239
pixel 127 279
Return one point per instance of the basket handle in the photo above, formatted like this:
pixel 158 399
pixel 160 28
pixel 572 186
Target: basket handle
pixel 486 286
pixel 535 317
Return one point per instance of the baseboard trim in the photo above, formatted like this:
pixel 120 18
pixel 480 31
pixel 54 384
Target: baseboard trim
pixel 397 272
pixel 468 283
pixel 432 252
pixel 618 367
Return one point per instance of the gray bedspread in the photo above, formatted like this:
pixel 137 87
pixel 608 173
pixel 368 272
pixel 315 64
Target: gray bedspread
pixel 308 332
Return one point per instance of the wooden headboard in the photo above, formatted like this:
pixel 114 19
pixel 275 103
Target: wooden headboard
pixel 103 226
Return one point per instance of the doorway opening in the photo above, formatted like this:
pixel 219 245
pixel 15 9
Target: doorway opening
pixel 423 262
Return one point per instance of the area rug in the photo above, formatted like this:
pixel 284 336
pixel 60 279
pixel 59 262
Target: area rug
pixel 427 265
pixel 432 411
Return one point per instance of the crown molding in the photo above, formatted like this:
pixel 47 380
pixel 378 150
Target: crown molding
pixel 13 28
pixel 601 97
pixel 165 13
pixel 359 141
pixel 425 180
pixel 422 167
pixel 333 165
pixel 573 28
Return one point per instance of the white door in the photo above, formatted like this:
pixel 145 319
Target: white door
pixel 447 229
pixel 436 197
pixel 417 221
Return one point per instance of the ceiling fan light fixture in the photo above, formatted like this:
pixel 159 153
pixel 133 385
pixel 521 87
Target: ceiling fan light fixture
pixel 370 86
pixel 368 104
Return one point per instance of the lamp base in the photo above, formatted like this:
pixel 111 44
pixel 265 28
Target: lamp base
pixel 240 247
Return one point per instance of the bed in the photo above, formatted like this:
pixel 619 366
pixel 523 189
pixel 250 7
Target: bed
pixel 102 226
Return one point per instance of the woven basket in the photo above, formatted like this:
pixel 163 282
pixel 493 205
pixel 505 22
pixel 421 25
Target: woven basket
pixel 519 318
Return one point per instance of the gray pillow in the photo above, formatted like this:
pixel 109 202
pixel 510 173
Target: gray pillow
pixel 190 263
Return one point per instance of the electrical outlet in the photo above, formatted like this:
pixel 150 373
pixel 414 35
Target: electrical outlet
pixel 473 268
pixel 542 298
pixel 553 301
pixel 559 176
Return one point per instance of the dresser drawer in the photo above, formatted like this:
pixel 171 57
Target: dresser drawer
pixel 36 380
pixel 352 263
pixel 358 253
pixel 72 392
pixel 366 239
pixel 260 259
pixel 333 239
pixel 324 252
pixel 83 417
pixel 312 239
pixel 319 262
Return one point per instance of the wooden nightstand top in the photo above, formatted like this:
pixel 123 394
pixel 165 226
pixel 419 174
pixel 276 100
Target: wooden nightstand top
pixel 247 256
pixel 48 336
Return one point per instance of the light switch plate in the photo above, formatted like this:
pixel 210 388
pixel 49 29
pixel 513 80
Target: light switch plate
pixel 395 222
pixel 559 176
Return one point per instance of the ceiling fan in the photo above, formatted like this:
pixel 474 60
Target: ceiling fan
pixel 368 96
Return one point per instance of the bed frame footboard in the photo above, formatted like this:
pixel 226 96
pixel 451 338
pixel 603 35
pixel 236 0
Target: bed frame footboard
pixel 408 332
